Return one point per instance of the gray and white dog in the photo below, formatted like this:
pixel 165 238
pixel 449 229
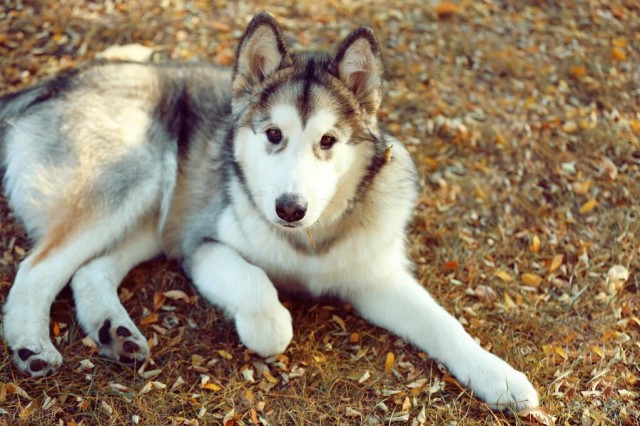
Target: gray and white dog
pixel 272 175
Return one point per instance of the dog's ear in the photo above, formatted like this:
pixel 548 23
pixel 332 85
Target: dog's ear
pixel 261 52
pixel 358 63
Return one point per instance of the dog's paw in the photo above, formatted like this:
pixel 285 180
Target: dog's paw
pixel 37 360
pixel 501 386
pixel 121 341
pixel 266 332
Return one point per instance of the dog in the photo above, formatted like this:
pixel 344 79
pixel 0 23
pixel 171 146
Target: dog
pixel 271 176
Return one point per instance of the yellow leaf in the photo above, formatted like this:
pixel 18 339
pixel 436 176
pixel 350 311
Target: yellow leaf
pixel 319 357
pixel 531 280
pixel 556 262
pixel 588 206
pixel 504 276
pixel 534 247
pixel 212 387
pixel 354 338
pixel 56 329
pixel 598 351
pixel 388 363
pixel 224 354
pixel 551 350
pixel 508 301
pixel 267 375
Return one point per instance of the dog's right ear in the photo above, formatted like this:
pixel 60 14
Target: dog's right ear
pixel 261 52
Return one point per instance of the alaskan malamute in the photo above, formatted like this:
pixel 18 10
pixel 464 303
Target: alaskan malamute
pixel 273 175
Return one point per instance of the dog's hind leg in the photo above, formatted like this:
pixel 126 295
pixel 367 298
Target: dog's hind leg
pixel 95 291
pixel 40 278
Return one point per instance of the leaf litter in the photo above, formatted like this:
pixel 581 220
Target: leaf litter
pixel 523 120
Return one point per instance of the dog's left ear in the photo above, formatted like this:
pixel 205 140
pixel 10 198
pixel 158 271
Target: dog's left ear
pixel 358 63
pixel 261 52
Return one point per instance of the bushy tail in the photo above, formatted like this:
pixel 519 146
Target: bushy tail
pixel 15 104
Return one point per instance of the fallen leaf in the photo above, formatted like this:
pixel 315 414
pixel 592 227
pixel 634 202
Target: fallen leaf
pixel 617 54
pixel 17 390
pixel 556 262
pixel 146 388
pixel 617 277
pixel 340 322
pixel 581 188
pixel 364 377
pixel 389 362
pixel 447 9
pixel 153 318
pixel 534 247
pixel 350 412
pixel 610 169
pixel 588 206
pixel 536 416
pixel 177 295
pixel 267 375
pixel 29 410
pixel 577 71
pixel 212 387
pixel 503 275
pixel 531 280
pixel 197 360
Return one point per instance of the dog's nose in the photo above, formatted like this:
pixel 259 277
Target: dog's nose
pixel 290 208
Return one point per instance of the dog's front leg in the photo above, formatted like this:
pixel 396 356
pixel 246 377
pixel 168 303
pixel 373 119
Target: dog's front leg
pixel 404 307
pixel 245 292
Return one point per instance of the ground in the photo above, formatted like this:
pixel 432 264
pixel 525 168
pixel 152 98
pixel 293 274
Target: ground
pixel 523 119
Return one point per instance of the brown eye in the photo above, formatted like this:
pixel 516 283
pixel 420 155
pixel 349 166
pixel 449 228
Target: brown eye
pixel 274 135
pixel 327 141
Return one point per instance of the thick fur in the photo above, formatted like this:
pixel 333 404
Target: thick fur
pixel 271 175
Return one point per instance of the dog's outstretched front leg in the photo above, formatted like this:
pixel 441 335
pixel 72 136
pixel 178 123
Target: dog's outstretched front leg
pixel 245 292
pixel 402 306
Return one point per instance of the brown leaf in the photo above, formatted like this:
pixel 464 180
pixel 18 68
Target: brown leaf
pixel 29 410
pixel 536 415
pixel 153 318
pixel 447 9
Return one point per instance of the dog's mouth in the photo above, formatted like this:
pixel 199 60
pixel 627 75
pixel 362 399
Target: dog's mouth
pixel 289 225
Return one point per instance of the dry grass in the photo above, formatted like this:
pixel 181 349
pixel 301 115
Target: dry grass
pixel 518 114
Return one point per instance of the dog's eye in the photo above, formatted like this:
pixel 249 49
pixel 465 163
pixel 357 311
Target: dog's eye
pixel 274 135
pixel 327 141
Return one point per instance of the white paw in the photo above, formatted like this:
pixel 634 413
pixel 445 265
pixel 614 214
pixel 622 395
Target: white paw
pixel 36 358
pixel 120 340
pixel 267 332
pixel 500 385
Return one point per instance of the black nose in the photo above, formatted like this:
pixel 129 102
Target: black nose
pixel 290 208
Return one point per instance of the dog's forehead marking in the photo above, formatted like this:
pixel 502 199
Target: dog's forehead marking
pixel 289 119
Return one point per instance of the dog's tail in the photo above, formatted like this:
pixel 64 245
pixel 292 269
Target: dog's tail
pixel 16 104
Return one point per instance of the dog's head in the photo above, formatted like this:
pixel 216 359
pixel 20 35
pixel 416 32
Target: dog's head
pixel 306 138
